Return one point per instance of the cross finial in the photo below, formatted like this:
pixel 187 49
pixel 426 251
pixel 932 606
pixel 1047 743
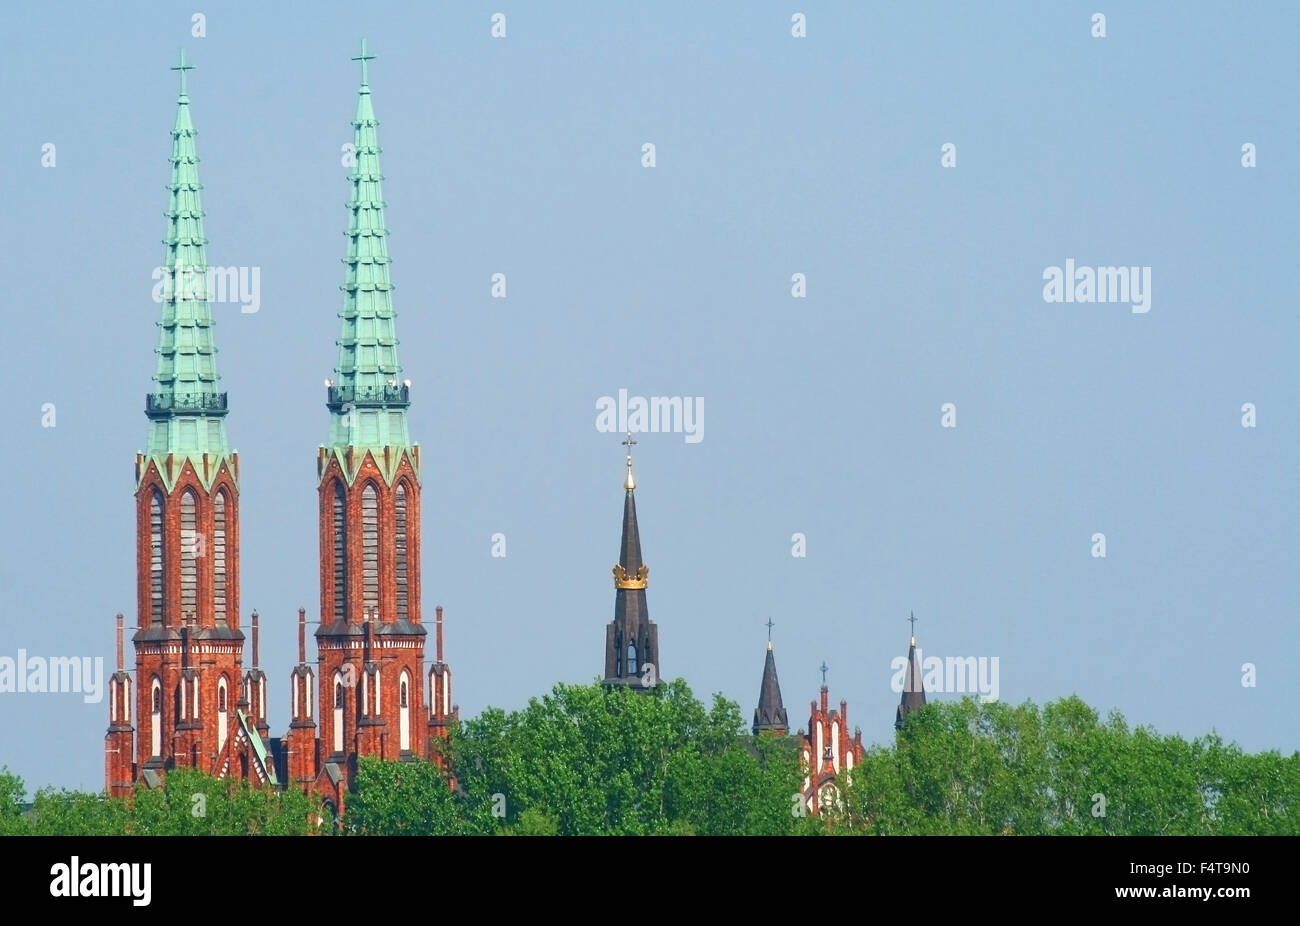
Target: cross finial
pixel 183 67
pixel 363 58
pixel 825 669
pixel 629 482
pixel 770 625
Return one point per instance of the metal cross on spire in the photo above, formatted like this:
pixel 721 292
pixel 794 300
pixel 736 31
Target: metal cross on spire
pixel 629 481
pixel 363 58
pixel 183 67
pixel 770 625
pixel 825 669
pixel 912 620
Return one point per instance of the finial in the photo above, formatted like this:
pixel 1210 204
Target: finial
pixel 770 625
pixel 182 67
pixel 363 58
pixel 912 620
pixel 825 669
pixel 630 482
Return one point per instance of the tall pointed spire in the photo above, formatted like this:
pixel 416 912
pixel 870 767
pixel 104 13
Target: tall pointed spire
pixel 629 551
pixel 913 685
pixel 631 639
pixel 186 409
pixel 770 716
pixel 371 631
pixel 367 397
pixel 188 645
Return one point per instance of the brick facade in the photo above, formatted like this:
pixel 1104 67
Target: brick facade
pixel 827 751
pixel 189 681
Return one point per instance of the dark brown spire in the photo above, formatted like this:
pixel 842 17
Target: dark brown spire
pixel 769 716
pixel 913 687
pixel 629 551
pixel 631 639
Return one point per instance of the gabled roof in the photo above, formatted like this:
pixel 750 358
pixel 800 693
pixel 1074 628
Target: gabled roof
pixel 267 768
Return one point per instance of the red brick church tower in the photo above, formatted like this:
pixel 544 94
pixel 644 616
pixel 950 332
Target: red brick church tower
pixel 369 683
pixel 827 752
pixel 191 704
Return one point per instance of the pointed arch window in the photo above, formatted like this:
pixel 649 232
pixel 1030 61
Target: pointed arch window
pixel 340 554
pixel 222 721
pixel 631 659
pixel 189 547
pixel 404 714
pixel 156 558
pixel 219 529
pixel 338 712
pixel 400 552
pixel 369 547
pixel 155 719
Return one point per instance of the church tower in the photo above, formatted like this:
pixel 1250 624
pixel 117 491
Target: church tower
pixel 371 640
pixel 913 685
pixel 188 645
pixel 827 752
pixel 770 716
pixel 631 638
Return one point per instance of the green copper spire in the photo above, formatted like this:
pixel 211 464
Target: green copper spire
pixel 367 398
pixel 186 410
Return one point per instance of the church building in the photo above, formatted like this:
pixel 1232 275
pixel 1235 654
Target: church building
pixel 370 692
pixel 191 700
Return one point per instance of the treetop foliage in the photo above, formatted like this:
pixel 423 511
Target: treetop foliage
pixel 586 760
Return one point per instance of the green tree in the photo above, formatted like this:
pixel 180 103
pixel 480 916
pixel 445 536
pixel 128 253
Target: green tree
pixel 971 768
pixel 12 795
pixel 614 761
pixel 403 799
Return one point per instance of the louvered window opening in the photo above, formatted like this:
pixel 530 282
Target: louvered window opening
pixel 340 556
pixel 219 557
pixel 370 548
pixel 156 558
pixel 400 552
pixel 189 564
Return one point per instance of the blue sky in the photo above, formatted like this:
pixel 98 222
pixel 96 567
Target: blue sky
pixel 774 156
